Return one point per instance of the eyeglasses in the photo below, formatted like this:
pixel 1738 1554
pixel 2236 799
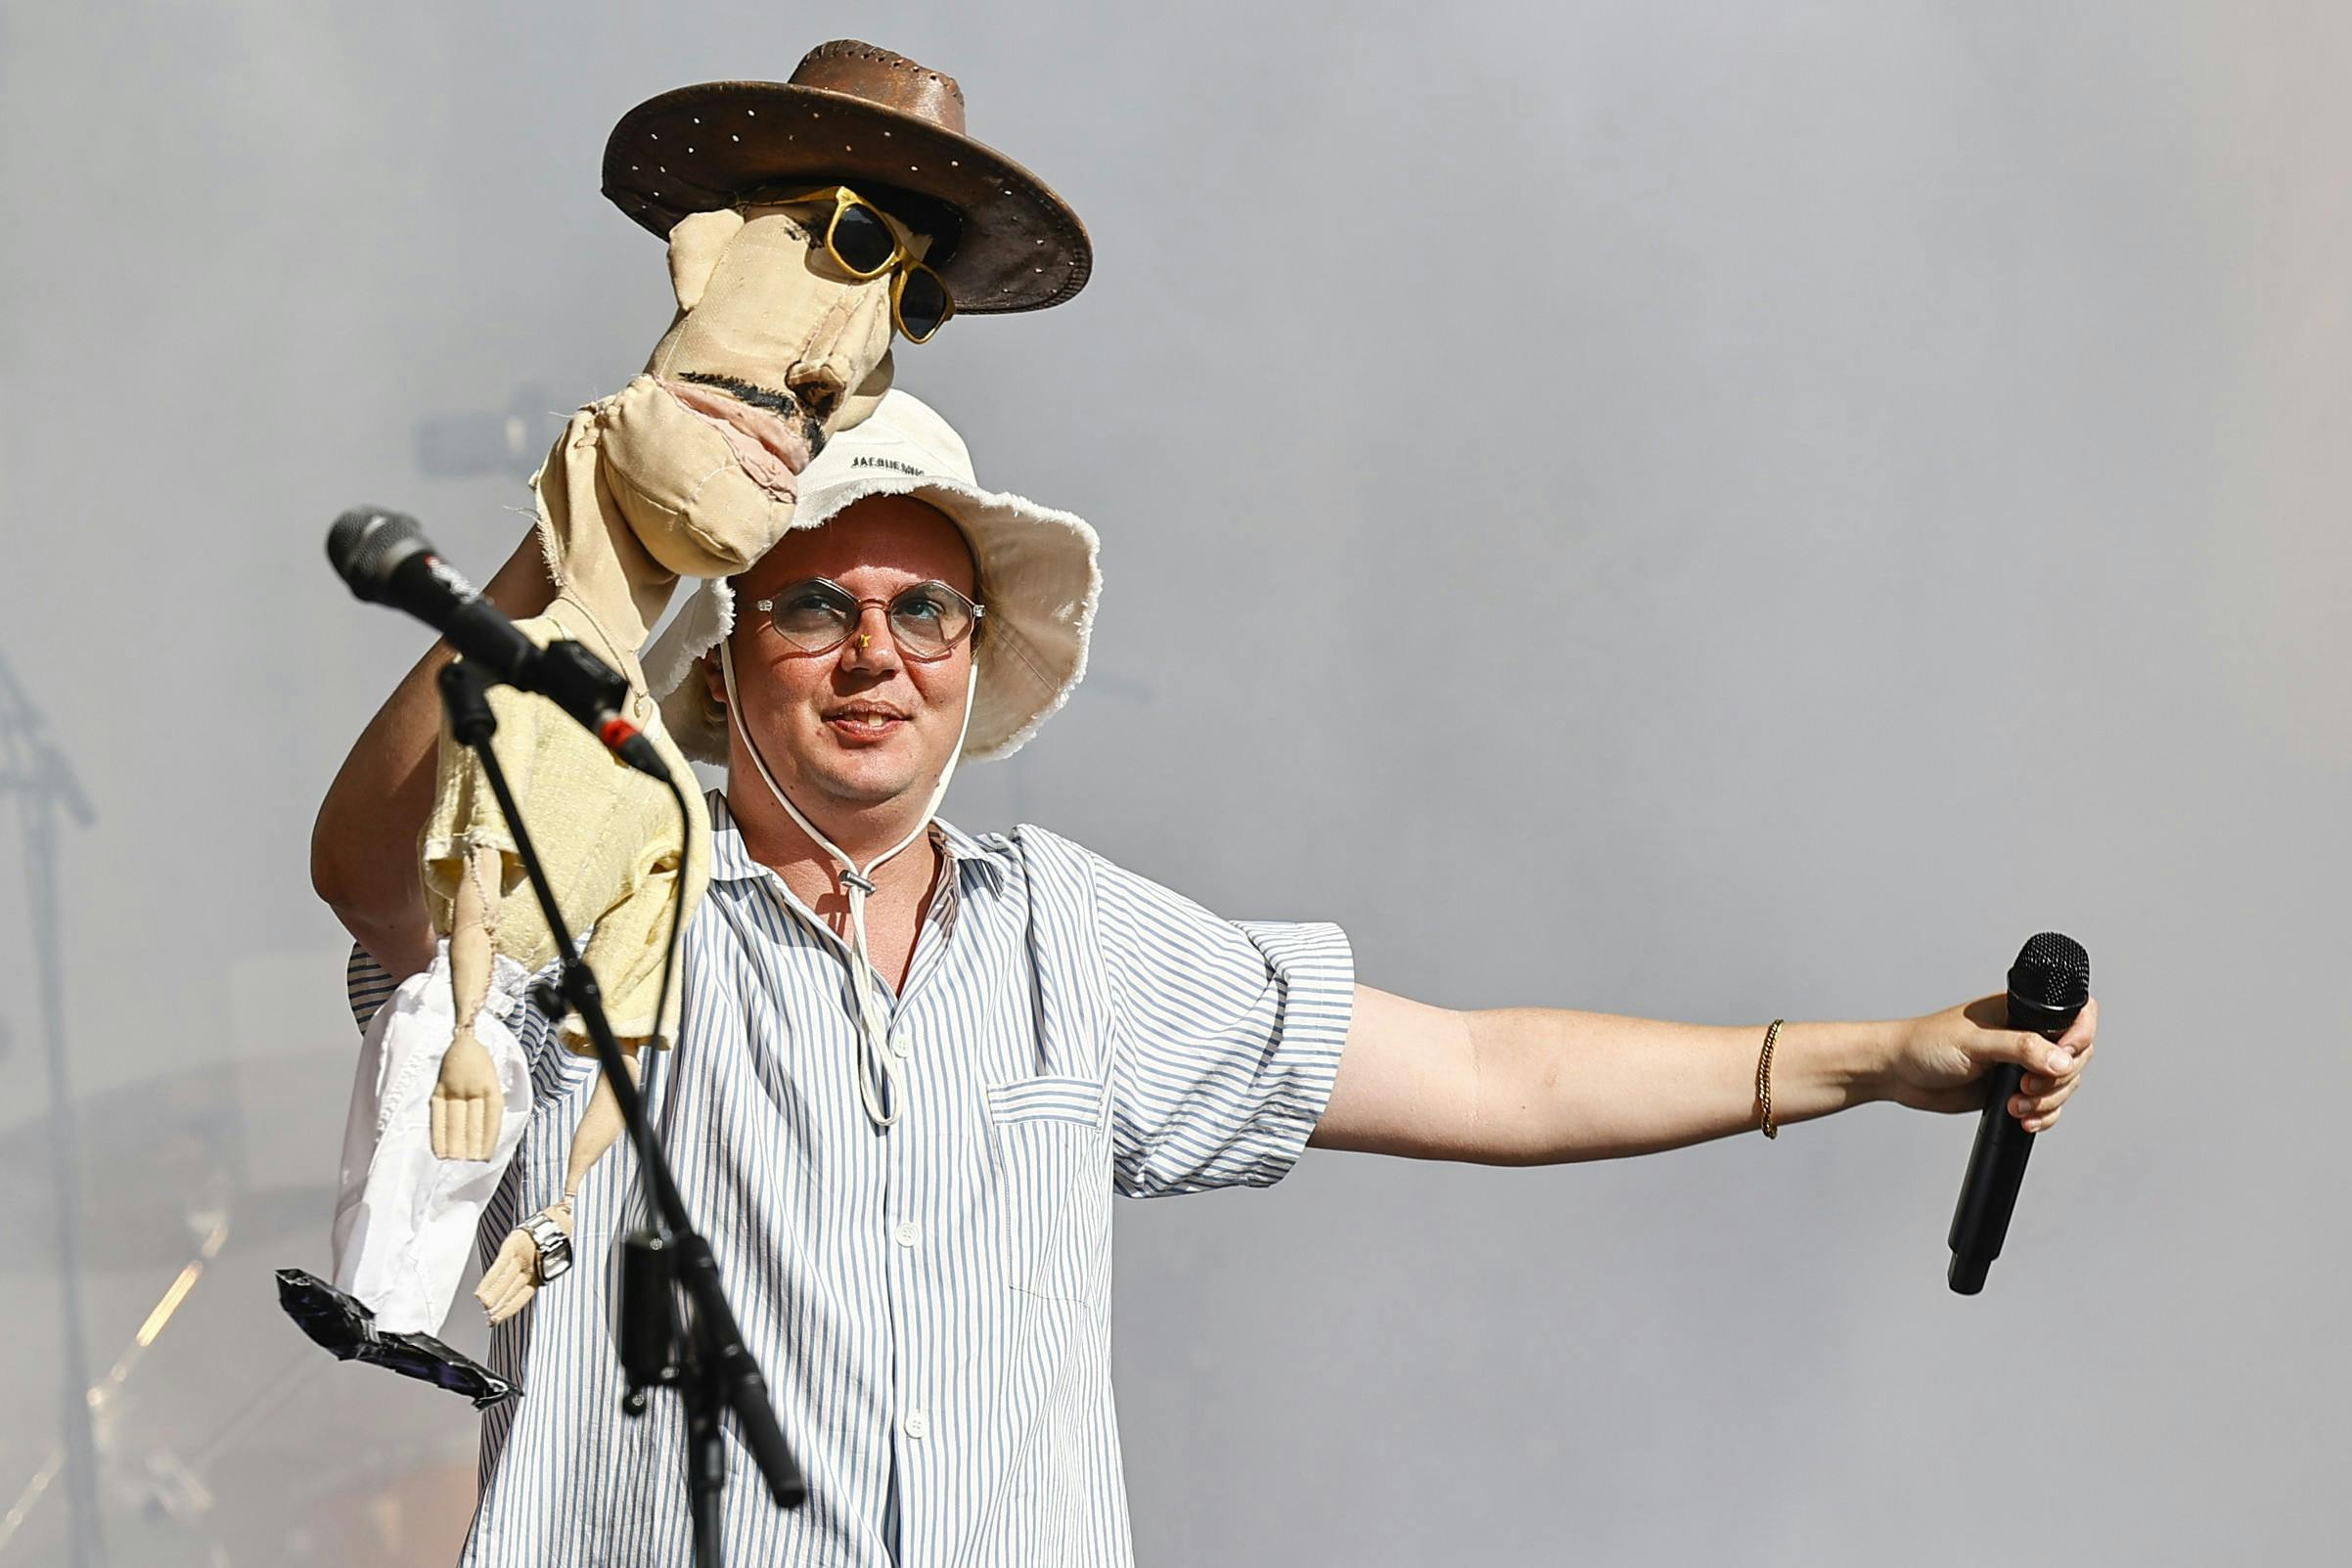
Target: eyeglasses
pixel 819 615
pixel 865 244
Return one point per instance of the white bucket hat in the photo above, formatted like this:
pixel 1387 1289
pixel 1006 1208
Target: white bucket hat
pixel 1039 578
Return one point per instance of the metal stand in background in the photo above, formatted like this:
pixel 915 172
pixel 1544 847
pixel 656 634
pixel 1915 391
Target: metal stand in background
pixel 42 781
pixel 704 1359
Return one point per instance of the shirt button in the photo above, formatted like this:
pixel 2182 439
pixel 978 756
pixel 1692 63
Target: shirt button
pixel 906 1233
pixel 916 1423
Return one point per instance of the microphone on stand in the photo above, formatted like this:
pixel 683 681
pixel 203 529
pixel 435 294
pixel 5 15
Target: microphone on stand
pixel 2048 988
pixel 384 558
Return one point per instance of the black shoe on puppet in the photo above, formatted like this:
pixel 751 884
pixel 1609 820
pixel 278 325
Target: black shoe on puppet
pixel 344 1326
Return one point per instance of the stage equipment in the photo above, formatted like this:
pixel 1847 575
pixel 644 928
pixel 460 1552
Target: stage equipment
pixel 42 781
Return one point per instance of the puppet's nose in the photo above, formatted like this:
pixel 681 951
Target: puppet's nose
pixel 818 387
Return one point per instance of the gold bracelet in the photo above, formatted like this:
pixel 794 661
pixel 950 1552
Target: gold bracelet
pixel 1764 1078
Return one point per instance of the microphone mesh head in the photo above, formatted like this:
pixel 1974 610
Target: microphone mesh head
pixel 2052 970
pixel 367 542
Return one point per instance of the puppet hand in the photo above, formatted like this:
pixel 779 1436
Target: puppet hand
pixel 1940 1060
pixel 467 1102
pixel 513 1277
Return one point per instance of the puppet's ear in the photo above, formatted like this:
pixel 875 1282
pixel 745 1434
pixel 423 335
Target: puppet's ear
pixel 695 245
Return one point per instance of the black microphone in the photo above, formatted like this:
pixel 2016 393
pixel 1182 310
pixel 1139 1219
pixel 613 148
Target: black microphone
pixel 385 560
pixel 2048 988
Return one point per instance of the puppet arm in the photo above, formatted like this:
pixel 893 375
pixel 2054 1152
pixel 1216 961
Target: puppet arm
pixel 468 1100
pixel 513 1277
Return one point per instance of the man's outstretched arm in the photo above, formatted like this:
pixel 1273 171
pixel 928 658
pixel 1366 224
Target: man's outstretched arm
pixel 1540 1086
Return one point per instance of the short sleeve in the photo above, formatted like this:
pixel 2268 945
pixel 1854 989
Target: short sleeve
pixel 1225 1036
pixel 367 985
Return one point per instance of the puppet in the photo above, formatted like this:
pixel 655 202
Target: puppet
pixel 806 222
pixel 687 472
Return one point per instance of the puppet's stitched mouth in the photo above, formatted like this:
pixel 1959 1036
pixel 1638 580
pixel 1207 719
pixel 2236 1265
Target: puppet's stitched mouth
pixel 775 420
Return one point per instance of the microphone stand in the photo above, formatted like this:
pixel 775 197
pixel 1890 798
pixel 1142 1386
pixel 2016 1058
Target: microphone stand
pixel 705 1360
pixel 39 775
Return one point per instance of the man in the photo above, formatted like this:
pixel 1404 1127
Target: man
pixel 916 1063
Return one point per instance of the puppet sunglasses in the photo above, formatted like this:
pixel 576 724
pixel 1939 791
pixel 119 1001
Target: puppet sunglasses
pixel 819 615
pixel 864 243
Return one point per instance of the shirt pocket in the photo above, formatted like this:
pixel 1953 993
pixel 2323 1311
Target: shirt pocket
pixel 1050 1141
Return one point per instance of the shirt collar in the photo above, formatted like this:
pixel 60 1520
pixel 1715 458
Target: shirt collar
pixel 731 862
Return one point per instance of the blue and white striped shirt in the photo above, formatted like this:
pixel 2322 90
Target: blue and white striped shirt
pixel 931 1303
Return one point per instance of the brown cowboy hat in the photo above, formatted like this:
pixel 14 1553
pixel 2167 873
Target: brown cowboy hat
pixel 873 119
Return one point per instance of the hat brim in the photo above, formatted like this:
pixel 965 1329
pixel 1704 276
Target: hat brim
pixel 704 147
pixel 1040 578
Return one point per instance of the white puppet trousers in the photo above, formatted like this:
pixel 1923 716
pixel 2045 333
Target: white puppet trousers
pixel 404 1218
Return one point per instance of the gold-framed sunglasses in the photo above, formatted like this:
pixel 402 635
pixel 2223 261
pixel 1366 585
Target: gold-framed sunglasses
pixel 819 615
pixel 865 243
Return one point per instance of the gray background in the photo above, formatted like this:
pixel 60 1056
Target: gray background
pixel 1710 511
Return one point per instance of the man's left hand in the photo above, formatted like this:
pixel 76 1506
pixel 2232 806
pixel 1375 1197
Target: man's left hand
pixel 1940 1060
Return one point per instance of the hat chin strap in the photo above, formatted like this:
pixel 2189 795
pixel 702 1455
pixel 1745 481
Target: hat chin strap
pixel 883 1101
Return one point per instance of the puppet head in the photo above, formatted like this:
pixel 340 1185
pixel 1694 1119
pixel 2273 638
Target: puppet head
pixel 773 348
pixel 766 319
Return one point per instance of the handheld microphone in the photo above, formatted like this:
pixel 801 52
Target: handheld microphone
pixel 384 558
pixel 2048 987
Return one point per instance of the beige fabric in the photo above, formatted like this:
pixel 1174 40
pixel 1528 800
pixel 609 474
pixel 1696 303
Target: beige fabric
pixel 694 247
pixel 771 450
pixel 640 489
pixel 608 838
pixel 666 486
pixel 823 332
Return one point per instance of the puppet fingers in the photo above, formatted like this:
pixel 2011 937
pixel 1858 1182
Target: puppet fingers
pixel 481 1126
pixel 508 1285
pixel 506 1306
pixel 468 1102
pixel 457 1126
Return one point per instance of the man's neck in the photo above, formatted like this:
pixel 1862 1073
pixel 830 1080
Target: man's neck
pixel 775 841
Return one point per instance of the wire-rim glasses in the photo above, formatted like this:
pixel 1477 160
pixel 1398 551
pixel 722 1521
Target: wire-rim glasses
pixel 928 619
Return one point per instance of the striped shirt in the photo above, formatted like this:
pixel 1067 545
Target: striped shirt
pixel 931 1303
